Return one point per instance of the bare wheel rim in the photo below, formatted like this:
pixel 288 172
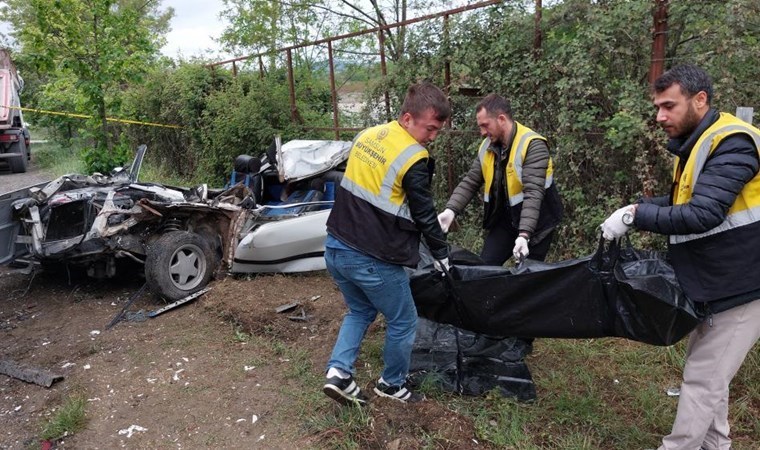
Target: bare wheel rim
pixel 187 267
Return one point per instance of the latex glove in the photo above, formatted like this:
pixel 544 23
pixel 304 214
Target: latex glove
pixel 520 251
pixel 614 227
pixel 446 218
pixel 440 265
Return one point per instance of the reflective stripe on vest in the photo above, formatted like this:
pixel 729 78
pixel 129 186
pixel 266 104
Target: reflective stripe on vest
pixel 378 161
pixel 514 170
pixel 746 208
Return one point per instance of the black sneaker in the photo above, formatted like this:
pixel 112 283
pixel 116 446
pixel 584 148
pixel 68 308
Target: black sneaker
pixel 344 391
pixel 400 393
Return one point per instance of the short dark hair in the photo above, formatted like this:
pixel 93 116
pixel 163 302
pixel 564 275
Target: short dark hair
pixel 689 77
pixel 423 96
pixel 495 104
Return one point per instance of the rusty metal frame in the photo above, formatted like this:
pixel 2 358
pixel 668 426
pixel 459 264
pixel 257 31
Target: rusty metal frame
pixel 294 114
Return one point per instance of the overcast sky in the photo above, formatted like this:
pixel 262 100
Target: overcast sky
pixel 195 25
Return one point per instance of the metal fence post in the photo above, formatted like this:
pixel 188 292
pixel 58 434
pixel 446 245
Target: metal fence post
pixel 745 113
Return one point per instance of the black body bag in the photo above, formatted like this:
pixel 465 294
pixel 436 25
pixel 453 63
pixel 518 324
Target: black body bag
pixel 616 292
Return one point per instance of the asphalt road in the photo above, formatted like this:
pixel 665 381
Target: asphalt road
pixel 10 182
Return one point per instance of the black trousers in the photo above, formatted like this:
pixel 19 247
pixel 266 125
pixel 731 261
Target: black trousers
pixel 498 245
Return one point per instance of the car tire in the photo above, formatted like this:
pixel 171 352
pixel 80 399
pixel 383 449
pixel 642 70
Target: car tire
pixel 18 164
pixel 178 264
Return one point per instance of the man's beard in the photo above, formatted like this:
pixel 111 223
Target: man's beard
pixel 690 122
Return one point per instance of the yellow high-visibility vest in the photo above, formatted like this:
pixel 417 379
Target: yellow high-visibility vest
pixel 377 163
pixel 513 171
pixel 746 207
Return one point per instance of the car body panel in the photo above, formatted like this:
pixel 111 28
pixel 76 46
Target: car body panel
pixel 290 244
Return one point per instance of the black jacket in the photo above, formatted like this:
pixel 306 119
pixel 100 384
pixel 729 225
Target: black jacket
pixel 365 235
pixel 711 269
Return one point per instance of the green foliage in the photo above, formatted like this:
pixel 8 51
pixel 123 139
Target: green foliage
pixel 221 116
pixel 587 92
pixel 98 160
pixel 67 420
pixel 83 53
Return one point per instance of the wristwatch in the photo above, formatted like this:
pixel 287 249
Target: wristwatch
pixel 628 218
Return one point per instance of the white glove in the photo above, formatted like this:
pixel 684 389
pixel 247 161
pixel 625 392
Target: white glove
pixel 520 251
pixel 440 265
pixel 614 227
pixel 445 219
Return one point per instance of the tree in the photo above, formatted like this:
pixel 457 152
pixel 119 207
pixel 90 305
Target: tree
pixel 103 44
pixel 262 26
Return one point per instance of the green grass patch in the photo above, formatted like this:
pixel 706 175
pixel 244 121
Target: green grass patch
pixel 341 428
pixel 67 420
pixel 153 172
pixel 57 159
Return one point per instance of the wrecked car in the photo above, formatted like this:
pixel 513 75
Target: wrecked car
pixel 272 219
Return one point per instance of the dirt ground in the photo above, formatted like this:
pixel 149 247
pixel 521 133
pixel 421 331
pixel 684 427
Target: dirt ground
pixel 187 378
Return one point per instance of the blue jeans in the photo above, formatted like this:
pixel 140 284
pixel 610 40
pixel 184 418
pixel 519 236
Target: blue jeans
pixel 369 286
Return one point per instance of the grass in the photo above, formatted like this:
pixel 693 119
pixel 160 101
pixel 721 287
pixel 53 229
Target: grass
pixel 592 394
pixel 67 420
pixel 61 160
pixel 57 159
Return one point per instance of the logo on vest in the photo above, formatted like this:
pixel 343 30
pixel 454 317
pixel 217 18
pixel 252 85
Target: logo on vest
pixel 382 134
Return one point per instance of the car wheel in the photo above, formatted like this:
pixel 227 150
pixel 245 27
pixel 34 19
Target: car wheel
pixel 178 264
pixel 18 164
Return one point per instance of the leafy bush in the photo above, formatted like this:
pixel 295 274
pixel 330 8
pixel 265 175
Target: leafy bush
pixel 104 161
pixel 221 116
pixel 586 91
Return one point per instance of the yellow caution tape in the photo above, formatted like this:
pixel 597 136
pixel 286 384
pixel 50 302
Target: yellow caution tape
pixel 85 116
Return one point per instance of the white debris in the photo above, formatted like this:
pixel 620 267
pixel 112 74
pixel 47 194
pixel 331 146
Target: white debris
pixel 673 392
pixel 68 364
pixel 151 380
pixel 254 419
pixel 45 343
pixel 616 381
pixel 17 408
pixel 94 332
pixel 175 377
pixel 248 368
pixel 185 359
pixel 261 438
pixel 86 367
pixel 132 429
pixel 240 420
pixel 96 399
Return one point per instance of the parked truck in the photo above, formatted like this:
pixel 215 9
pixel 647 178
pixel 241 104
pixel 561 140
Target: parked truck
pixel 14 134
